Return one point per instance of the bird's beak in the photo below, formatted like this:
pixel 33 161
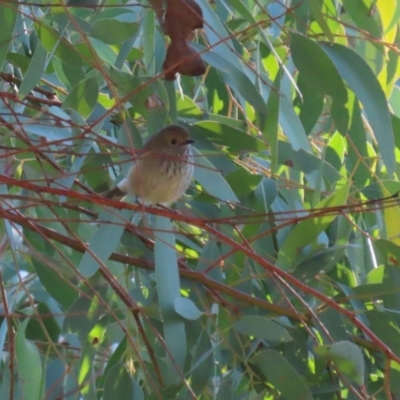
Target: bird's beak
pixel 189 141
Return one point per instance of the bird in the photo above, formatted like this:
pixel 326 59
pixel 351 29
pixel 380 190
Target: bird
pixel 163 169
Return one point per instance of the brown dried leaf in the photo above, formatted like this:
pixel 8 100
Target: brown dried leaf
pixel 183 59
pixel 181 18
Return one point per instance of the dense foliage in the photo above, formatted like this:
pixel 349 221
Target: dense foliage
pixel 275 277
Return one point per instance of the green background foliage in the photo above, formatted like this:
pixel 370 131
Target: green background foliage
pixel 275 277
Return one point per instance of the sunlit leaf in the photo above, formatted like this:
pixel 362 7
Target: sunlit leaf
pixel 347 358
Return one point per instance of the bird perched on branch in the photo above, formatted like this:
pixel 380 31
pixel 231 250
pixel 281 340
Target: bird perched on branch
pixel 163 169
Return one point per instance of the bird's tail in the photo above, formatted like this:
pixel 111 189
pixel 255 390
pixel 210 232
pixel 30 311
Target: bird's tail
pixel 114 194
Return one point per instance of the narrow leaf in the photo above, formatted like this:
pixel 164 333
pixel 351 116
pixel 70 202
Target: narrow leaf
pixel 212 181
pixel 112 31
pixel 234 77
pixel 8 17
pixel 118 384
pixel 282 375
pixel 308 230
pixel 29 365
pixel 272 123
pixel 52 41
pixel 104 242
pixel 262 328
pixel 168 289
pixel 83 97
pixel 359 76
pixel 34 72
pixel 321 74
pixel 315 8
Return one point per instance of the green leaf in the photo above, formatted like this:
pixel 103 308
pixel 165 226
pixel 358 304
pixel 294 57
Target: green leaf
pixel 168 290
pixel 386 328
pixel 359 76
pixel 334 325
pixel 103 51
pixel 83 97
pixel 282 375
pixel 243 182
pixel 187 108
pixel 149 49
pixel 117 356
pixel 234 78
pixel 314 263
pixel 315 8
pixel 53 42
pixel 304 161
pixel 262 328
pixel 321 74
pixel 19 60
pixel 360 14
pixel 112 31
pixel 55 283
pixel 292 127
pixel 308 230
pixel 187 309
pixel 3 333
pixel 202 364
pixel 395 16
pixel 215 30
pixel 104 241
pixel 211 180
pixel 82 316
pixel 347 357
pixel 55 375
pixel 29 365
pixel 118 384
pixel 389 250
pixel 138 91
pixel 34 72
pixel 231 138
pixel 272 123
pixel 311 106
pixel 8 17
pixel 44 326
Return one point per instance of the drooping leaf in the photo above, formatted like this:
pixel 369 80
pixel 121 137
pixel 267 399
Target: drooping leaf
pixel 30 366
pixel 347 358
pixel 83 97
pixel 362 81
pixel 8 16
pixel 282 375
pixel 168 289
pixel 262 328
pixel 112 31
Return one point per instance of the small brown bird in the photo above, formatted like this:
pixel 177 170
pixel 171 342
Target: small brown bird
pixel 162 171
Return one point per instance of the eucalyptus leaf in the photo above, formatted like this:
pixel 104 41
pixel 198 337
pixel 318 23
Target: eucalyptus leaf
pixel 347 358
pixel 113 31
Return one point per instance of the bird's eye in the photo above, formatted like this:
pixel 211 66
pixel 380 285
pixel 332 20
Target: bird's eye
pixel 174 141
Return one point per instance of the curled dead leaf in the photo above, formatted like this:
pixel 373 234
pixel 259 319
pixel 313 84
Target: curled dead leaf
pixel 181 18
pixel 183 59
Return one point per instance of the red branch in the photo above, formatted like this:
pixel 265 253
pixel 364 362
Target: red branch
pixel 201 223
